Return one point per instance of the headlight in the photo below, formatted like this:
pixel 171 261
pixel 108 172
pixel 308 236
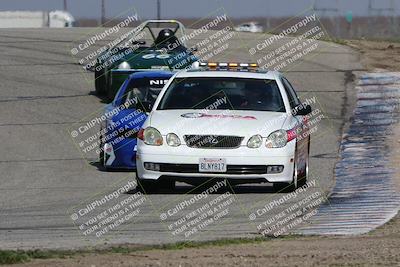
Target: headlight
pixel 173 140
pixel 277 139
pixel 124 66
pixel 254 141
pixel 151 136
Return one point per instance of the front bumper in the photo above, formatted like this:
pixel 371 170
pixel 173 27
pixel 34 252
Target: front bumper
pixel 120 156
pixel 242 163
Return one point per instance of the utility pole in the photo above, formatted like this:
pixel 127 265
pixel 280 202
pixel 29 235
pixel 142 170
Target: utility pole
pixel 333 9
pixel 158 10
pixel 378 11
pixel 103 12
pixel 65 5
pixel 267 19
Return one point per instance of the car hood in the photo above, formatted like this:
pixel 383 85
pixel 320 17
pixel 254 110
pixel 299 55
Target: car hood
pixel 150 58
pixel 217 122
pixel 125 118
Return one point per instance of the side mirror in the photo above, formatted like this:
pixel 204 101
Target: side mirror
pixel 302 110
pixel 194 49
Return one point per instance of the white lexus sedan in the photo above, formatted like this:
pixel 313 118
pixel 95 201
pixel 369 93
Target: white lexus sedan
pixel 225 121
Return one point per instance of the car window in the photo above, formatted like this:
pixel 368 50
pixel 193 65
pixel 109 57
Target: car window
pixel 291 93
pixel 223 93
pixel 141 94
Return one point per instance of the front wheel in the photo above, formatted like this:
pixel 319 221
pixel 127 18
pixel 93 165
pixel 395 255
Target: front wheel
pixel 304 174
pixel 148 186
pixel 101 153
pixel 166 185
pixel 99 82
pixel 288 187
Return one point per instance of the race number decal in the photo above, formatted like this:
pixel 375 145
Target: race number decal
pixel 150 56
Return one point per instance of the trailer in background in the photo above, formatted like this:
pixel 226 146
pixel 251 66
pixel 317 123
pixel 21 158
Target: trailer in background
pixel 36 19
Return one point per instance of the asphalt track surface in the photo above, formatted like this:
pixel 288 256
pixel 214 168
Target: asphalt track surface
pixel 43 176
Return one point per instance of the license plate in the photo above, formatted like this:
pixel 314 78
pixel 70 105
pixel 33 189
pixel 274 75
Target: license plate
pixel 212 165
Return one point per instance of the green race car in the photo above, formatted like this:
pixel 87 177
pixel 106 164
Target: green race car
pixel 167 50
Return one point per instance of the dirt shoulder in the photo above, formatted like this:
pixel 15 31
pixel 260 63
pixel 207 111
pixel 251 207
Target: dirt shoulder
pixel 378 248
pixel 378 54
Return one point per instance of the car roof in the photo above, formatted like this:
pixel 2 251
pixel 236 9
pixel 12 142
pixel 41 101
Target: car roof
pixel 151 74
pixel 271 75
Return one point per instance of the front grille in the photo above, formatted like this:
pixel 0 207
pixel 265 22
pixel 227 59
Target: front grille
pixel 230 169
pixel 213 141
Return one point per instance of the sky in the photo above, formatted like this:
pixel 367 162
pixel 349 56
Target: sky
pixel 199 8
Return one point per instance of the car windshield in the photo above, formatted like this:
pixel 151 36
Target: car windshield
pixel 142 90
pixel 223 93
pixel 152 34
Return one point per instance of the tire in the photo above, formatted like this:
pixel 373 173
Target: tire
pixel 147 186
pixel 99 83
pixel 101 154
pixel 101 158
pixel 288 187
pixel 166 185
pixel 303 179
pixel 109 92
pixel 110 95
